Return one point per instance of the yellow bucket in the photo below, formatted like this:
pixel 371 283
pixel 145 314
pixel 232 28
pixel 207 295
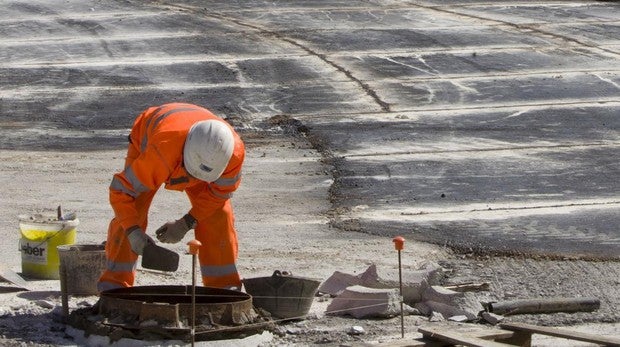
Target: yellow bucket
pixel 41 234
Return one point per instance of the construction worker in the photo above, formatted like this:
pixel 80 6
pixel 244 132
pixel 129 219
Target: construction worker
pixel 186 148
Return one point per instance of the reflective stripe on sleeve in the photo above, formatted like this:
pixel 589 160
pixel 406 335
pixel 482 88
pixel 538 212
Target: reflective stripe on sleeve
pixel 228 182
pixel 218 195
pixel 137 185
pixel 121 267
pixel 117 185
pixel 218 270
pixel 148 124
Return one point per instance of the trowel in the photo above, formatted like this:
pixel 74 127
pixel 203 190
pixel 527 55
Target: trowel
pixel 12 277
pixel 155 257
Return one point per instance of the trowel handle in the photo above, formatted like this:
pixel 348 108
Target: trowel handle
pixel 194 246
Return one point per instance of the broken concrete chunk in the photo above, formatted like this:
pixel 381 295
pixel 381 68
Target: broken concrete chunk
pixel 423 309
pixel 446 310
pixel 460 303
pixel 364 302
pixel 436 317
pixel 434 272
pixel 491 318
pixel 295 331
pixel 356 330
pixel 429 272
pixel 459 318
pixel 338 282
pixel 441 294
pixel 414 282
pixel 45 303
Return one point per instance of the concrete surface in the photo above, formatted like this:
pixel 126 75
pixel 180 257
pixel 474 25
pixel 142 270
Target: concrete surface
pixel 489 127
pixel 483 126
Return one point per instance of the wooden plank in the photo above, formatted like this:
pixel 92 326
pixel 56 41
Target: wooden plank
pixel 442 334
pixel 490 334
pixel 420 342
pixel 487 334
pixel 515 338
pixel 572 335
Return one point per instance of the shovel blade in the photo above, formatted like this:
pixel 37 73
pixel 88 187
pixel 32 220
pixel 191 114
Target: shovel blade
pixel 159 258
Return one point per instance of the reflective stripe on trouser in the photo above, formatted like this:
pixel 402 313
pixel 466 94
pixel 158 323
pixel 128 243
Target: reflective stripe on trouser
pixel 218 253
pixel 121 261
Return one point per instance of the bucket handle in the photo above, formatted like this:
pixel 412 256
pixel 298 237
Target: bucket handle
pixel 279 273
pixel 42 242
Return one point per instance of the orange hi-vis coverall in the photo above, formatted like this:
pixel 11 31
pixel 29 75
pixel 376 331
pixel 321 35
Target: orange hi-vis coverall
pixel 155 157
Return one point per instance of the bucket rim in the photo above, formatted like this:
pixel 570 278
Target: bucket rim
pixel 81 247
pixel 277 274
pixel 47 219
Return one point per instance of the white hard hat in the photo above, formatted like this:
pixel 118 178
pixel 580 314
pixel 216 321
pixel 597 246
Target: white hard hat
pixel 208 148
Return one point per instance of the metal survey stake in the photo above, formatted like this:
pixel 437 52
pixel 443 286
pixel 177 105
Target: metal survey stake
pixel 194 245
pixel 399 244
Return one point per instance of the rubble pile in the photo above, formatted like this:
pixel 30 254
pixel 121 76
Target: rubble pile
pixel 374 294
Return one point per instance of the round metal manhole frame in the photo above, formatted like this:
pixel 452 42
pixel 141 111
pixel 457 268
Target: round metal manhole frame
pixel 171 305
pixel 164 312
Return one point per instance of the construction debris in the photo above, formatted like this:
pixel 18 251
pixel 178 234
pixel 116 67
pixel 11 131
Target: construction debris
pixel 449 303
pixel 356 330
pixel 470 287
pixel 414 282
pixel 491 318
pixel 436 317
pixel 364 302
pixel 338 282
pixel 459 319
pixel 373 294
pixel 12 277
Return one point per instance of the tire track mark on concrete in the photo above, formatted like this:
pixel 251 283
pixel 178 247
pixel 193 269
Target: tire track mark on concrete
pixel 495 149
pixel 323 57
pixel 404 115
pixel 523 28
pixel 484 211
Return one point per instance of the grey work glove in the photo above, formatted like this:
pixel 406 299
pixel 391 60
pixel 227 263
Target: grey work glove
pixel 138 239
pixel 173 232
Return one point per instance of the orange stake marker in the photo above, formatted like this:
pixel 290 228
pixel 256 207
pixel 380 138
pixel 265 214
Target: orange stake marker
pixel 399 244
pixel 194 246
